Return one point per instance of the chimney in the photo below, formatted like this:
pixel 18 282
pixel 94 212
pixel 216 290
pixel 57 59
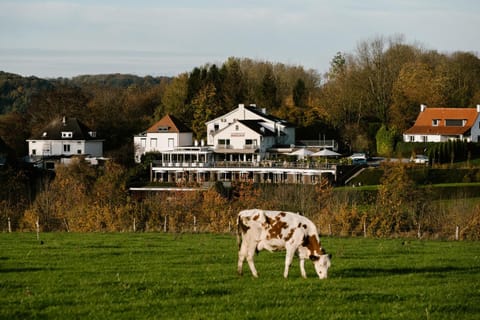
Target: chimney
pixel 64 120
pixel 423 107
pixel 478 108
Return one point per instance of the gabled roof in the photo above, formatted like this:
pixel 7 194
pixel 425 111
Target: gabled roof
pixel 268 116
pixel 168 124
pixel 53 131
pixel 424 122
pixel 257 111
pixel 256 126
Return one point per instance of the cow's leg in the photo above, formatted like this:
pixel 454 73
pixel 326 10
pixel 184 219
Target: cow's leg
pixel 247 251
pixel 288 260
pixel 302 267
pixel 242 253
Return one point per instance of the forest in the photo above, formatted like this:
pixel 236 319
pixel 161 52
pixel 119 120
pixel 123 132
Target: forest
pixel 376 88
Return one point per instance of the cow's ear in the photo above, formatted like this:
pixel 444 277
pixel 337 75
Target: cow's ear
pixel 314 258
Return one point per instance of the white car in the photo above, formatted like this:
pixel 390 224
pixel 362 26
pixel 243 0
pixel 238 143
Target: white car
pixel 420 158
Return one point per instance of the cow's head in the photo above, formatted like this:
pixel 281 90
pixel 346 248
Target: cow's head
pixel 321 264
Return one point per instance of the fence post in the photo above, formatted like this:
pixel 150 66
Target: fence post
pixel 329 229
pixel 37 223
pixel 9 226
pixel 364 229
pixel 457 231
pixel 165 224
pixel 194 224
pixel 419 232
pixel 134 226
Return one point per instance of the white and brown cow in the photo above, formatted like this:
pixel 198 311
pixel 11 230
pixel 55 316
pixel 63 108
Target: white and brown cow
pixel 278 230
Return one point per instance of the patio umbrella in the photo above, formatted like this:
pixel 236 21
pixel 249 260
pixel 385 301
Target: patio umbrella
pixel 301 153
pixel 326 153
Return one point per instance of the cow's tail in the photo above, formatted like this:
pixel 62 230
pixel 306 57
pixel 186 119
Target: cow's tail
pixel 239 231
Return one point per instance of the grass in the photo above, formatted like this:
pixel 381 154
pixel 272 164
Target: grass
pixel 193 276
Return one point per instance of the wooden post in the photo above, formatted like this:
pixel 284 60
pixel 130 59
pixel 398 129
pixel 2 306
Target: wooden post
pixel 419 232
pixel 364 229
pixel 329 229
pixel 37 223
pixel 194 224
pixel 134 226
pixel 165 224
pixel 457 232
pixel 9 226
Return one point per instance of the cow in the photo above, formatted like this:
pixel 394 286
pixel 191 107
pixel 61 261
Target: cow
pixel 277 230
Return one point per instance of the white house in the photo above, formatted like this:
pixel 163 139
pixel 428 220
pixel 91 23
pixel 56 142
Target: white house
pixel 65 137
pixel 165 135
pixel 443 124
pixel 284 131
pixel 245 140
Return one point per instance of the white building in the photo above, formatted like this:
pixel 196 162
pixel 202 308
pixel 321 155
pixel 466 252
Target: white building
pixel 65 137
pixel 444 124
pixel 165 135
pixel 284 131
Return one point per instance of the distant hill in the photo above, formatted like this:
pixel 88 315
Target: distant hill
pixel 16 91
pixel 116 80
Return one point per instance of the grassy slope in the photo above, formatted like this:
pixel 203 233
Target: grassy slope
pixel 193 277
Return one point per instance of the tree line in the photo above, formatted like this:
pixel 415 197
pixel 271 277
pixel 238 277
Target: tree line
pixel 369 95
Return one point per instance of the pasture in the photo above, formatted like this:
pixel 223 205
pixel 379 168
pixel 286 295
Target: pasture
pixel 193 276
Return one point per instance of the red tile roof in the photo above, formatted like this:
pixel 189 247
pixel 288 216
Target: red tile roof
pixel 171 124
pixel 423 124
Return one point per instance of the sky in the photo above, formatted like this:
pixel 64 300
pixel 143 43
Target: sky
pixel 66 38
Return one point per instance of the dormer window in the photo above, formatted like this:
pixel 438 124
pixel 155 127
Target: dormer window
pixel 162 128
pixel 67 134
pixel 92 134
pixel 455 122
pixel 435 122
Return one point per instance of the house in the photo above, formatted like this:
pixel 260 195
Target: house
pixel 63 138
pixel 444 124
pixel 166 134
pixel 245 140
pixel 284 131
pixel 247 133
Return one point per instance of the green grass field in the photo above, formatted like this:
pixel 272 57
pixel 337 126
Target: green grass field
pixel 193 276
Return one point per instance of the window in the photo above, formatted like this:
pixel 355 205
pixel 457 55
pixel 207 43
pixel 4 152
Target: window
pixel 236 127
pixel 67 134
pixel 162 128
pixel 143 142
pixel 34 152
pixel 66 148
pixel 435 122
pixel 412 138
pixel 455 122
pixel 216 127
pixel 79 151
pixel 224 142
pixel 424 139
pixel 171 142
pixel 153 142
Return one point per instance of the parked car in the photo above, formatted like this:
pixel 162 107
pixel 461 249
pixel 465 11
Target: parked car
pixel 419 158
pixel 358 158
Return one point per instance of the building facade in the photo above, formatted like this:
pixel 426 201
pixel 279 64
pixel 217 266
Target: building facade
pixel 444 124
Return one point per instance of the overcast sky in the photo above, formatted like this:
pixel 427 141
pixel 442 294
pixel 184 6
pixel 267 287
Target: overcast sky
pixel 64 38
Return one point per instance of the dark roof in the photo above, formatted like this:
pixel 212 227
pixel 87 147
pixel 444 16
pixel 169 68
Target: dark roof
pixel 169 123
pixel 53 131
pixel 258 112
pixel 258 128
